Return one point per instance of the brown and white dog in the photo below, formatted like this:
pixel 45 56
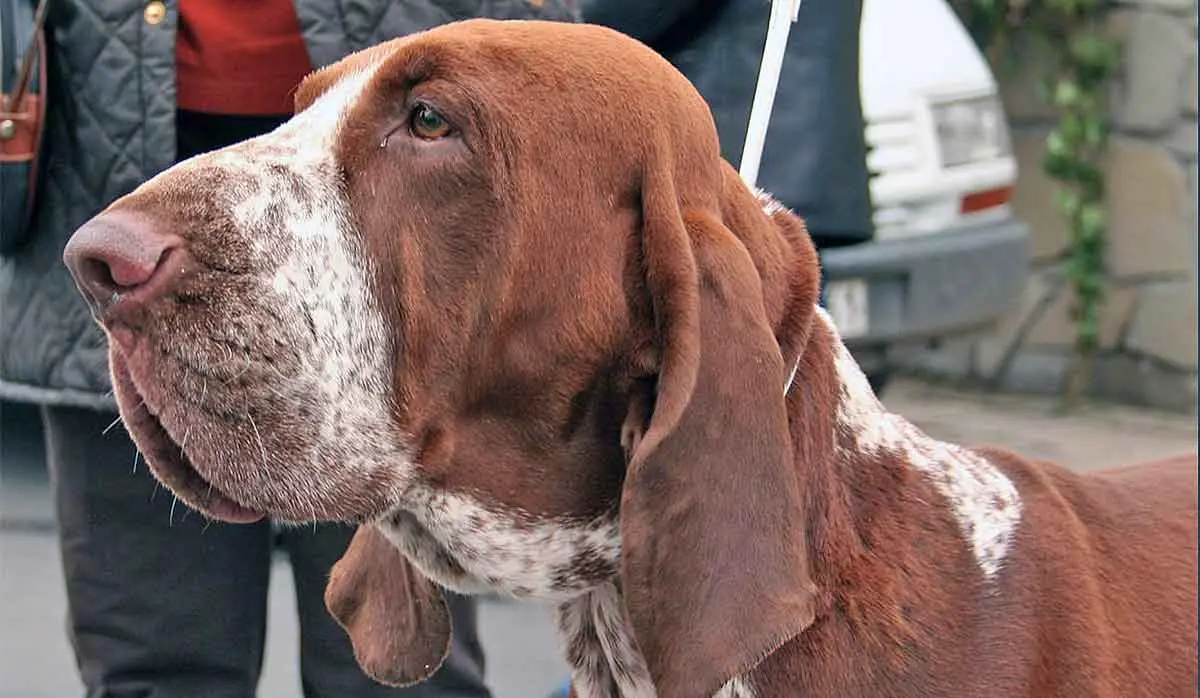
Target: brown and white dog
pixel 493 295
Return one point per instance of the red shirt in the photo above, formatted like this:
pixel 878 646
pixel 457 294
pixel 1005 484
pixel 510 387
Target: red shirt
pixel 242 57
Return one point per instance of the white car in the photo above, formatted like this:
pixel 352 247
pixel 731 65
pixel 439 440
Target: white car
pixel 948 255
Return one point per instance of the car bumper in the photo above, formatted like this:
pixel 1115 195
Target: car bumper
pixel 934 285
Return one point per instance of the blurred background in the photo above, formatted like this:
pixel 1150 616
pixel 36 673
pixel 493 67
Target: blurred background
pixel 962 302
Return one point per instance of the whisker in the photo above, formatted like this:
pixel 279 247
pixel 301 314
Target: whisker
pixel 171 516
pixel 188 429
pixel 136 453
pixel 261 448
pixel 108 428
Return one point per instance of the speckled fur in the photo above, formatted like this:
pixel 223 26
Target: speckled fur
pixel 603 652
pixel 465 546
pixel 272 349
pixel 982 498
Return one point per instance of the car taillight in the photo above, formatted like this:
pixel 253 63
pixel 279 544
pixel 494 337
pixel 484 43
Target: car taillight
pixel 983 200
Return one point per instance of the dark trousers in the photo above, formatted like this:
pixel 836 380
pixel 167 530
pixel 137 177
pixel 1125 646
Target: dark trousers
pixel 165 604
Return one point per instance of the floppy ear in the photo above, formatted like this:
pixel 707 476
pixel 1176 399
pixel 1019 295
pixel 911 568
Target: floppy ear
pixel 396 618
pixel 714 563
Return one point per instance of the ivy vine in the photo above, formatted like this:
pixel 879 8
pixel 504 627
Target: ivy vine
pixel 1083 60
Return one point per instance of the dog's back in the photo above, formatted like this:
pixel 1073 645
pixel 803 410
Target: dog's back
pixel 1148 567
pixel 1111 557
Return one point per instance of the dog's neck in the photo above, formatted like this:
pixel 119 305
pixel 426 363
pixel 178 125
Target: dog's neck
pixel 870 478
pixel 879 460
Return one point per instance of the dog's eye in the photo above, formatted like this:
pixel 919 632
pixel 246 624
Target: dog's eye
pixel 428 124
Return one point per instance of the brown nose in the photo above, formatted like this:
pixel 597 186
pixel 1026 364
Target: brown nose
pixel 115 254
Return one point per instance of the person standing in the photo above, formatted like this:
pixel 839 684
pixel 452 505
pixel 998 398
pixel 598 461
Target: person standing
pixel 161 602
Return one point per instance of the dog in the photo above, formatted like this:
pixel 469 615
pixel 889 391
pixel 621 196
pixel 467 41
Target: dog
pixel 493 295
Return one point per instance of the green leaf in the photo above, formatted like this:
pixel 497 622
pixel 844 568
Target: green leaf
pixel 1073 270
pixel 1088 48
pixel 1091 180
pixel 1067 93
pixel 1092 222
pixel 1095 131
pixel 1059 160
pixel 1056 145
pixel 1058 166
pixel 1073 127
pixel 1089 286
pixel 1068 202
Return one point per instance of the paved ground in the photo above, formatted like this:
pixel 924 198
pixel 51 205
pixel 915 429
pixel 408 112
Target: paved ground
pixel 35 660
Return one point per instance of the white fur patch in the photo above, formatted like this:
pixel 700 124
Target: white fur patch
pixel 603 653
pixel 464 546
pixel 470 548
pixel 738 687
pixel 984 501
pixel 600 646
pixel 322 267
pixel 311 291
pixel 770 205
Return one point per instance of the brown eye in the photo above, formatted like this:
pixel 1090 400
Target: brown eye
pixel 428 124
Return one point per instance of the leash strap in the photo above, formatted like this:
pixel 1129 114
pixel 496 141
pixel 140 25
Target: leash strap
pixel 783 14
pixel 787 387
pixel 24 71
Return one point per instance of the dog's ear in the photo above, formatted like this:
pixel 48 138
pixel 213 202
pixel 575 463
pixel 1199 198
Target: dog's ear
pixel 714 563
pixel 396 618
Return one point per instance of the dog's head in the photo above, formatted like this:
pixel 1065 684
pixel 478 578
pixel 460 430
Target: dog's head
pixel 493 294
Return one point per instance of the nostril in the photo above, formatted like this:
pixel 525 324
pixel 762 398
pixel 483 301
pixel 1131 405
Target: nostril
pixel 127 271
pixel 115 253
pixel 106 274
pixel 97 276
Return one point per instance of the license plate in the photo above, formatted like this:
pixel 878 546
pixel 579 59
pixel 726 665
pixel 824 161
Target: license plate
pixel 847 304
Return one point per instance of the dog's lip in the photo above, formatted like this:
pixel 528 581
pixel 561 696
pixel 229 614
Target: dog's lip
pixel 167 460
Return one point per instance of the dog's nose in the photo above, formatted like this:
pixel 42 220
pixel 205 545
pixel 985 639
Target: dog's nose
pixel 114 254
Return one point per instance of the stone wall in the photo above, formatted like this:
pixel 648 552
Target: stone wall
pixel 1149 321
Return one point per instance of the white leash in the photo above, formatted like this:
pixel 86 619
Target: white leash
pixel 783 13
pixel 787 387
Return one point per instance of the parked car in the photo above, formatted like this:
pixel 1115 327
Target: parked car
pixel 948 256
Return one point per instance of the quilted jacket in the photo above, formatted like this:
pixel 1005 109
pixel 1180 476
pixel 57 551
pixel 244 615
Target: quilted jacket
pixel 111 126
pixel 815 155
